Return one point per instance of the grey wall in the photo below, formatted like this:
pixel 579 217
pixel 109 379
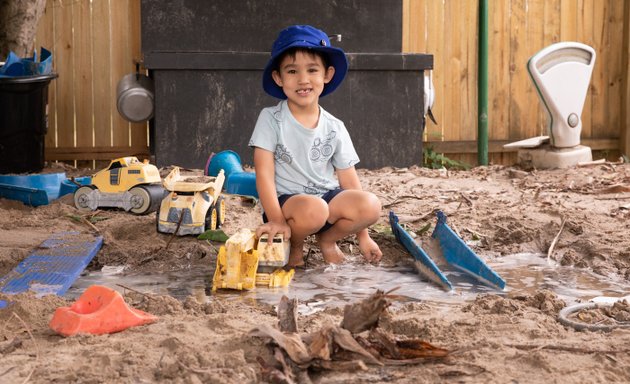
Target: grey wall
pixel 252 25
pixel 206 58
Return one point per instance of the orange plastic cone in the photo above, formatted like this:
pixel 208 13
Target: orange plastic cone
pixel 99 310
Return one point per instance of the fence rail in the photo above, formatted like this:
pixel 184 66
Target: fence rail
pixel 94 43
pixel 517 30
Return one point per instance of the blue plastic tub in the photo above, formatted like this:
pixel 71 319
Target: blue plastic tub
pixel 38 189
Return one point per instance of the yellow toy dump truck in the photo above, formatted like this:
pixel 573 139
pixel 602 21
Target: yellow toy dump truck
pixel 246 262
pixel 126 183
pixel 193 204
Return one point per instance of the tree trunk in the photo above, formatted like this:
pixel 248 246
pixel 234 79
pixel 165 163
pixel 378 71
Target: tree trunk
pixel 18 25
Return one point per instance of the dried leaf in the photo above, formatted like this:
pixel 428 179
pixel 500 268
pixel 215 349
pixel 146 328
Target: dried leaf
pixel 272 374
pixel 320 344
pixel 410 349
pixel 291 342
pixel 344 339
pixel 386 343
pixel 286 368
pixel 287 314
pixel 364 315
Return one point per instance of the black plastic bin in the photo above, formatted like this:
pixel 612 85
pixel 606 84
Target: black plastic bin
pixel 23 122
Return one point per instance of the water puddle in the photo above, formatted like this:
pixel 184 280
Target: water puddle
pixel 526 273
pixel 335 286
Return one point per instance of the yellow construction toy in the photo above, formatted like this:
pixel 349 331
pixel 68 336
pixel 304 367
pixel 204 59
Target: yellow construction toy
pixel 193 204
pixel 246 262
pixel 126 183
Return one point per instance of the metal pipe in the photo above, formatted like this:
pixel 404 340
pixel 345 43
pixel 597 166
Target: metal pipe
pixel 482 86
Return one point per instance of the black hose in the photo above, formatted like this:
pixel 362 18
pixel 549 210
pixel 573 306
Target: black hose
pixel 563 317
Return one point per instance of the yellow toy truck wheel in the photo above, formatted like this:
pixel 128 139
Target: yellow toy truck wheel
pixel 140 200
pixel 82 198
pixel 220 205
pixel 212 221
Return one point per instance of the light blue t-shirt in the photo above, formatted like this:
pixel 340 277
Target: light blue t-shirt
pixel 305 158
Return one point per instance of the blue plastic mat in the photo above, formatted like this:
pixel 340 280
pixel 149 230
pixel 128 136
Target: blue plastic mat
pixel 54 266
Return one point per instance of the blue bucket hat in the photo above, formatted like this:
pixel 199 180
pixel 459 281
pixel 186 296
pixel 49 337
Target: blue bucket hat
pixel 304 36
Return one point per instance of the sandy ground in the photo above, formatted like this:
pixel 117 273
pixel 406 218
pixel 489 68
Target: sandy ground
pixel 492 338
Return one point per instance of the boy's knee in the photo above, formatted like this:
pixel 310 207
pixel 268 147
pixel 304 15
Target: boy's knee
pixel 371 208
pixel 314 214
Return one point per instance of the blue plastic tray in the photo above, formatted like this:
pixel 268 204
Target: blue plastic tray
pixel 53 266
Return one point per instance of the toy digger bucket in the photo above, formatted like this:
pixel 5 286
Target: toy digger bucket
pixel 99 310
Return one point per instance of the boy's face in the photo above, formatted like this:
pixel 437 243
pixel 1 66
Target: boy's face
pixel 303 78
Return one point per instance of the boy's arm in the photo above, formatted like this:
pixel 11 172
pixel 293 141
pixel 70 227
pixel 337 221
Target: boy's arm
pixel 266 187
pixel 348 178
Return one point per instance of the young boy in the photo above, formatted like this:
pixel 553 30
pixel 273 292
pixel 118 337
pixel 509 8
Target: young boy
pixel 298 148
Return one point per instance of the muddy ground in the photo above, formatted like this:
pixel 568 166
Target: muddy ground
pixel 492 338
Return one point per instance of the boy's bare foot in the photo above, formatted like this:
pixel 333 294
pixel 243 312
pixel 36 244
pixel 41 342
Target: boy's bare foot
pixel 331 252
pixel 296 257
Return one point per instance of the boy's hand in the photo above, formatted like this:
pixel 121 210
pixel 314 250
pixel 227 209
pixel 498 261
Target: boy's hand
pixel 272 228
pixel 370 250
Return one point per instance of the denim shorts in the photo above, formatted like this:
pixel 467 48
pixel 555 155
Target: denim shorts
pixel 328 196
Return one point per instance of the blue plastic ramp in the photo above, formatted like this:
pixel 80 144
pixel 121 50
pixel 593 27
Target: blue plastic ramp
pixel 459 255
pixel 424 264
pixel 54 266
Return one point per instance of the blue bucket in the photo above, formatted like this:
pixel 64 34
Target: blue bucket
pixel 228 161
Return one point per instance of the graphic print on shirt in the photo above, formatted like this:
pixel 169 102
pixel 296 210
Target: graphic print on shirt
pixel 282 155
pixel 312 189
pixel 322 150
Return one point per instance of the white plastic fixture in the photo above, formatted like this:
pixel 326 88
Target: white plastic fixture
pixel 561 73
